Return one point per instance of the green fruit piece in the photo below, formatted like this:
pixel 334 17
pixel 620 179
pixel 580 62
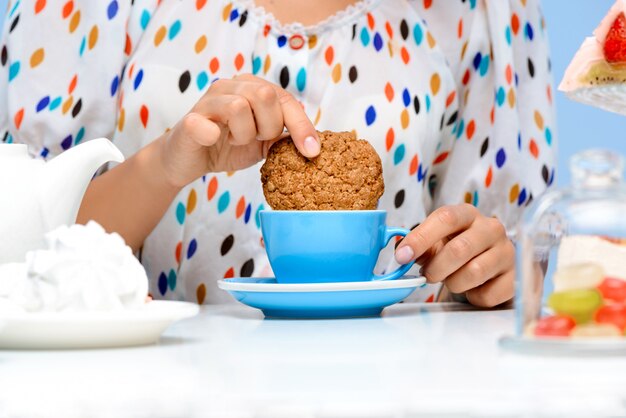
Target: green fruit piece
pixel 579 304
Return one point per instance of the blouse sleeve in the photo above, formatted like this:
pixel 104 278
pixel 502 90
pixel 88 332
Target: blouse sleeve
pixel 500 139
pixel 61 65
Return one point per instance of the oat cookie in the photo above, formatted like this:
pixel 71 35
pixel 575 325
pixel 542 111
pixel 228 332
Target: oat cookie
pixel 347 175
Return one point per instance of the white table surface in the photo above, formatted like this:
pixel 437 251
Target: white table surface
pixel 416 360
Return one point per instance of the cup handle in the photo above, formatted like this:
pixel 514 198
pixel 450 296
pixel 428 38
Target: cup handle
pixel 391 232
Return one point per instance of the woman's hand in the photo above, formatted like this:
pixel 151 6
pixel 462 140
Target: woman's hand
pixel 231 128
pixel 468 252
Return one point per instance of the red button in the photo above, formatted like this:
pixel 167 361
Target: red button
pixel 296 42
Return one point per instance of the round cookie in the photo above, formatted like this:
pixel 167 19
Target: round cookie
pixel 347 175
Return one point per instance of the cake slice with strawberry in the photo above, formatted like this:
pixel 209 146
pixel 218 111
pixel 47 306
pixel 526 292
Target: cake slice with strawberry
pixel 597 74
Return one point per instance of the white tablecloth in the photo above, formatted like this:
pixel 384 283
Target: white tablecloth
pixel 416 360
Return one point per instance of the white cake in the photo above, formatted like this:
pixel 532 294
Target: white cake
pixel 578 249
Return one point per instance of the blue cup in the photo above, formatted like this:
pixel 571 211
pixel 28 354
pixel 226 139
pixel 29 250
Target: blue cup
pixel 327 246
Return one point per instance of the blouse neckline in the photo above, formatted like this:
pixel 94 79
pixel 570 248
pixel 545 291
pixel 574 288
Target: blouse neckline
pixel 337 20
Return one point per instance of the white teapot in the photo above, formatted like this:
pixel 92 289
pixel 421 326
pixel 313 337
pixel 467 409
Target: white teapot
pixel 36 197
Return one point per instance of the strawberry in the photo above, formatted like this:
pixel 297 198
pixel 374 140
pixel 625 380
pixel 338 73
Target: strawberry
pixel 615 43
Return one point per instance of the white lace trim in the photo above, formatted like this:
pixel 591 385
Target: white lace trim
pixel 341 18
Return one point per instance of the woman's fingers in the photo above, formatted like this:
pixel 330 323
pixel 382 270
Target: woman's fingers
pixel 469 252
pixel 493 292
pixel 483 234
pixel 272 109
pixel 480 269
pixel 267 112
pixel 442 223
pixel 302 131
pixel 263 101
pixel 200 130
pixel 234 112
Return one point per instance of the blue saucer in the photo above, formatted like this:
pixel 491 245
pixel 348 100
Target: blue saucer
pixel 320 300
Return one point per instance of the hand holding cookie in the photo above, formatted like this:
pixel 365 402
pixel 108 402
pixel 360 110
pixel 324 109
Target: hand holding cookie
pixel 231 128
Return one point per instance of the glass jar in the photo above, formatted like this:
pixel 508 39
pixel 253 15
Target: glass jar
pixel 571 257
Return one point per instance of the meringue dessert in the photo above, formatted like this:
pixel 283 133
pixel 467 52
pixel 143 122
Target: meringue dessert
pixel 82 268
pixel 597 74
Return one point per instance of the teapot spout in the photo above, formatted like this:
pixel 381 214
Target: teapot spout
pixel 66 179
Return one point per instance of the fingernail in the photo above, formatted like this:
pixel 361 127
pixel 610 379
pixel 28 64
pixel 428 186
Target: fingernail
pixel 404 254
pixel 311 146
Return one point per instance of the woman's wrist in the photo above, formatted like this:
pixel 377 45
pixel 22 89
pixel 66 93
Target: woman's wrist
pixel 156 159
pixel 132 197
pixel 150 163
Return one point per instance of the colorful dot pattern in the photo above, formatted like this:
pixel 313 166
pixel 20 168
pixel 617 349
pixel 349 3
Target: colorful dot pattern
pixel 456 100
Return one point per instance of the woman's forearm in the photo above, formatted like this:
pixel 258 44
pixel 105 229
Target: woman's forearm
pixel 131 198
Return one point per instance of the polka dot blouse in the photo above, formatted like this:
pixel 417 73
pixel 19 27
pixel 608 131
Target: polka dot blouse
pixel 455 95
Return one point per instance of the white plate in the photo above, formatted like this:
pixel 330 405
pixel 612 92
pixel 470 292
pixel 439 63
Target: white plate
pixel 54 330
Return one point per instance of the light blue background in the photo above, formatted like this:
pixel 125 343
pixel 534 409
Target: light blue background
pixel 578 126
